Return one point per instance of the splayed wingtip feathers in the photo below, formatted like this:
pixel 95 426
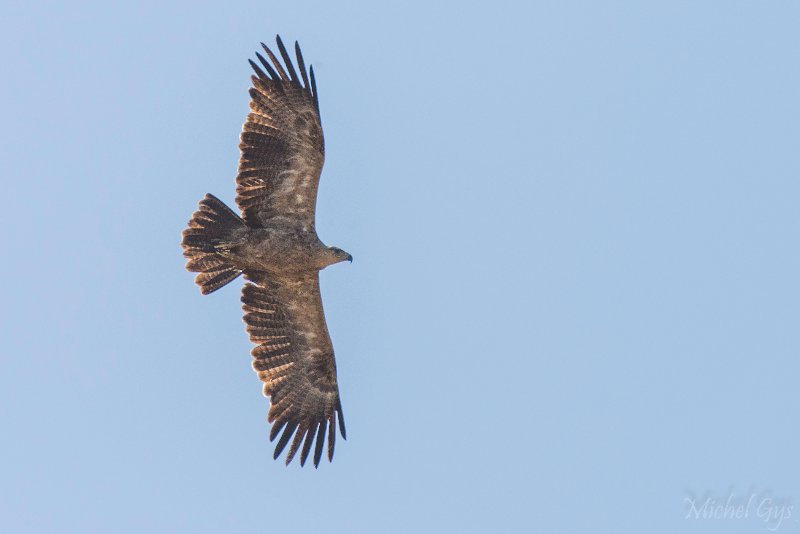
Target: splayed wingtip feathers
pixel 287 433
pixel 288 62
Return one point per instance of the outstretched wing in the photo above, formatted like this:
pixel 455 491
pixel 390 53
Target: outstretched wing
pixel 282 145
pixel 294 359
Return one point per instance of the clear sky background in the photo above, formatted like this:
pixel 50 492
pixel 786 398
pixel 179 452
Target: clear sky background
pixel 574 303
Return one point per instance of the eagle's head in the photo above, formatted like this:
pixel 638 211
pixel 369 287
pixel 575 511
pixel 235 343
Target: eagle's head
pixel 339 255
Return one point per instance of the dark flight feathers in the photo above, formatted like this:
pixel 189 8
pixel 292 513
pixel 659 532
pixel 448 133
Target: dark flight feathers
pixel 294 359
pixel 282 144
pixel 283 152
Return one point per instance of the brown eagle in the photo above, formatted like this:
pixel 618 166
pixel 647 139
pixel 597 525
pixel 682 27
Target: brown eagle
pixel 275 245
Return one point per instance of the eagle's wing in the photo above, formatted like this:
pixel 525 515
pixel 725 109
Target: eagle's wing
pixel 282 145
pixel 294 359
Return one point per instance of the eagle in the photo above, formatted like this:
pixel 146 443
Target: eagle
pixel 273 243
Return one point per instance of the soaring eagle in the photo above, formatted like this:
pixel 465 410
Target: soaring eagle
pixel 275 245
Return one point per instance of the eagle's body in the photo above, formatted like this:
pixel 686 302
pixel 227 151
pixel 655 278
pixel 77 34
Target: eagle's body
pixel 280 249
pixel 275 245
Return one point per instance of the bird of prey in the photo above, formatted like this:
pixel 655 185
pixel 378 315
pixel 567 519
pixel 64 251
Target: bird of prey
pixel 274 244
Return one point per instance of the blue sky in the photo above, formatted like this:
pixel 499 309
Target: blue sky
pixel 574 303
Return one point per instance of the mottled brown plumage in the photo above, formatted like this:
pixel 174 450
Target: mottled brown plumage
pixel 275 244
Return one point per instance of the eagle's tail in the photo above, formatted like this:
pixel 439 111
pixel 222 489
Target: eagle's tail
pixel 210 232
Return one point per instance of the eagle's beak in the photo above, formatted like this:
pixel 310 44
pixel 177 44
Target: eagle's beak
pixel 350 258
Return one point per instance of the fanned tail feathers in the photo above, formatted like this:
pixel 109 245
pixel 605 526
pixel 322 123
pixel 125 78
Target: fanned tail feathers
pixel 211 229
